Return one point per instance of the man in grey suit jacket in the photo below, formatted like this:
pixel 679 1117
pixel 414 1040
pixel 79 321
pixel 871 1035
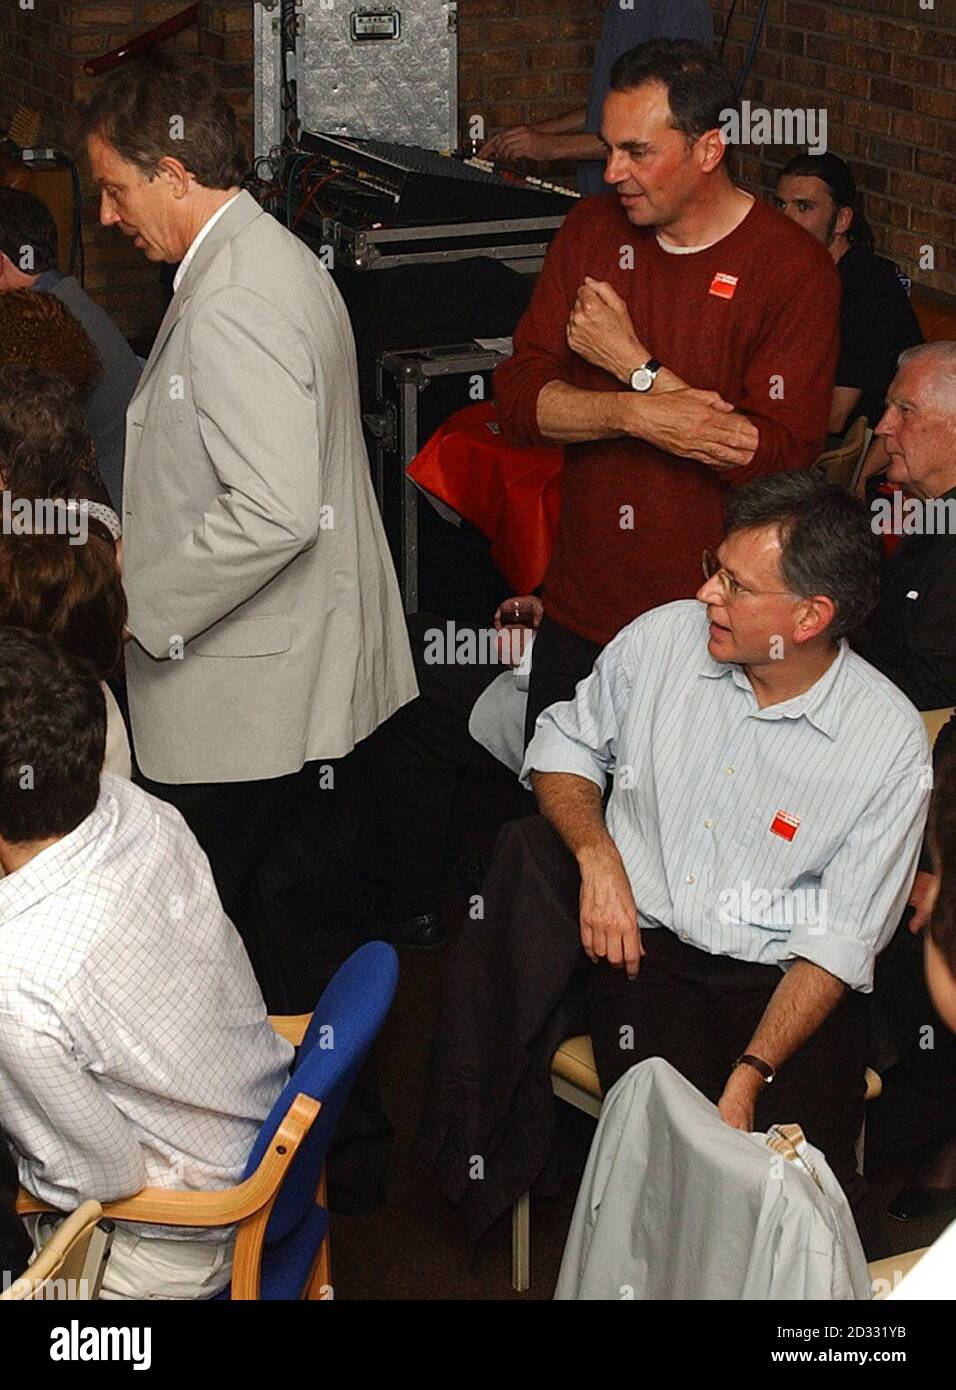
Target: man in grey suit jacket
pixel 267 634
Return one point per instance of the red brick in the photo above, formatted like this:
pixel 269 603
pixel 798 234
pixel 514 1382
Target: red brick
pixel 521 33
pixel 935 103
pixel 888 93
pixel 803 16
pixel 919 129
pixel 499 62
pixel 875 61
pixel 103 14
pixel 524 86
pixel 916 69
pixel 936 165
pixel 889 154
pixel 855 84
pixel 562 57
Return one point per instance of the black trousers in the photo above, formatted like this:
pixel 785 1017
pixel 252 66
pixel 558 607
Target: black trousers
pixel 418 765
pixel 270 844
pixel 561 659
pixel 699 1013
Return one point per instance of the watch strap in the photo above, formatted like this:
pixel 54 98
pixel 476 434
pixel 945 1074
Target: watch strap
pixel 747 1059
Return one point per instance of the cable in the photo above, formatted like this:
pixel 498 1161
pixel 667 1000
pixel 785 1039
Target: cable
pixel 723 41
pixel 752 49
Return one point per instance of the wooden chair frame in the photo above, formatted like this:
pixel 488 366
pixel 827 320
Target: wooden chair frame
pixel 248 1205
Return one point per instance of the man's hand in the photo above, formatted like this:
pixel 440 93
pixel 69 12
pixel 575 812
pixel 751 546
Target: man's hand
pixel 923 898
pixel 739 1099
pixel 693 424
pixel 600 331
pixel 517 620
pixel 525 610
pixel 608 914
pixel 520 142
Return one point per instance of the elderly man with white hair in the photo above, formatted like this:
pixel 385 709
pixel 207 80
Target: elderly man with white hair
pixel 911 638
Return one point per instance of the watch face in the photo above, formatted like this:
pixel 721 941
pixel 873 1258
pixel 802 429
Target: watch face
pixel 642 379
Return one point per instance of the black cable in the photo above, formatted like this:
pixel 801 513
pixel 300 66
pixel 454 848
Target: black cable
pixel 723 41
pixel 752 49
pixel 77 252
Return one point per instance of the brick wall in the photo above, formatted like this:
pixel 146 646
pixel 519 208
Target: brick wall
pixel 525 60
pixel 35 64
pixel 885 70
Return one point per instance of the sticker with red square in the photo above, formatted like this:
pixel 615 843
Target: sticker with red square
pixel 724 286
pixel 785 825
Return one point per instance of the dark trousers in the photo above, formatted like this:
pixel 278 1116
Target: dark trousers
pixel 561 659
pixel 418 764
pixel 699 1012
pixel 266 841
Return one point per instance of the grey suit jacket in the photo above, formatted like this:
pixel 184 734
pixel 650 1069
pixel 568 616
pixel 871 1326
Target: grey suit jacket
pixel 267 624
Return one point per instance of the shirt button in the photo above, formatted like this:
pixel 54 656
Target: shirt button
pixel 729 771
pixel 690 878
pixel 708 825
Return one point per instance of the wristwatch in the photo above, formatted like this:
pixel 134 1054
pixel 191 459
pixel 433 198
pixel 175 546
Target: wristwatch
pixel 642 378
pixel 759 1065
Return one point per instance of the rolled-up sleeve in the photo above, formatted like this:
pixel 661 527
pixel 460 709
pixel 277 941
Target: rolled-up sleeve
pixel 581 735
pixel 867 882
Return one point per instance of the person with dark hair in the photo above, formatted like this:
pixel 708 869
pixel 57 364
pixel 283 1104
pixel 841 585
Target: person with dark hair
pixel 672 357
pixel 818 191
pixel 28 264
pixel 45 448
pixel 267 632
pixel 72 593
pixel 576 134
pixel 121 982
pixel 725 908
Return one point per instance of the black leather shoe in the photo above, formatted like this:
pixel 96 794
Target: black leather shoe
pixel 426 932
pixel 922 1203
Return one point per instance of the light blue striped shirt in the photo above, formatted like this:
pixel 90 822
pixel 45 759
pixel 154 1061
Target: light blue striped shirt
pixel 763 834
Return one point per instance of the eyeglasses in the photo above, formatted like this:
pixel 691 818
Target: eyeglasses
pixel 733 590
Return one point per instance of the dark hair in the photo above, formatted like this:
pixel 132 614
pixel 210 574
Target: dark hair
pixel 72 593
pixel 942 838
pixel 27 223
pixel 700 91
pixel 38 330
pixel 44 443
pixel 838 177
pixel 136 107
pixel 52 738
pixel 827 545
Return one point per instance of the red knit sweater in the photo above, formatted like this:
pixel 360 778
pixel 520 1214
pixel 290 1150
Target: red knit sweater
pixel 776 337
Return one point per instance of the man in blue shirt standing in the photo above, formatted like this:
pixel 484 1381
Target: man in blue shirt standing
pixel 574 135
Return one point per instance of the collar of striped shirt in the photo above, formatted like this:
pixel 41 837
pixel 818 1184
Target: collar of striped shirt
pixel 820 705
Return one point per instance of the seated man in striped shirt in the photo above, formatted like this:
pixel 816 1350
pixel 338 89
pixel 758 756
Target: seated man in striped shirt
pixel 725 907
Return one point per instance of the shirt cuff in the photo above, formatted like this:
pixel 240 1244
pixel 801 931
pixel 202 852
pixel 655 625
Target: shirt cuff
pixel 846 957
pixel 550 751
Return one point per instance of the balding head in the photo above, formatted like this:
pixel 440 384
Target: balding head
pixel 919 424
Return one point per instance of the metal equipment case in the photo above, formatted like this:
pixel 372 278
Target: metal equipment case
pixel 387 71
pixel 400 425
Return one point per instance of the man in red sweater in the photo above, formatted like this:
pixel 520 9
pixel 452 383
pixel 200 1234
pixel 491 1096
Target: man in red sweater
pixel 682 339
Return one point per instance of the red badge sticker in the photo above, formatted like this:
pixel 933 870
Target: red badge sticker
pixel 784 825
pixel 723 286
